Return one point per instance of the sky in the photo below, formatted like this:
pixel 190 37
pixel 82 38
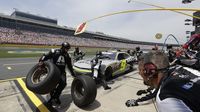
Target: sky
pixel 141 26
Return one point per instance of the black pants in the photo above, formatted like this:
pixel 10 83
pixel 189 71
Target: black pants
pixel 103 80
pixel 55 94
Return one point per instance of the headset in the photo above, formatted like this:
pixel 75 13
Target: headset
pixel 151 70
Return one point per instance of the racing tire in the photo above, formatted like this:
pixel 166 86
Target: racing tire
pixel 83 90
pixel 108 73
pixel 43 80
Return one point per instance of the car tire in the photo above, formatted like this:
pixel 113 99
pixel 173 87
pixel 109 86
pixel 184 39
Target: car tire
pixel 42 81
pixel 108 73
pixel 83 90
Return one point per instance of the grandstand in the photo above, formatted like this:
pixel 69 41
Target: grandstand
pixel 25 28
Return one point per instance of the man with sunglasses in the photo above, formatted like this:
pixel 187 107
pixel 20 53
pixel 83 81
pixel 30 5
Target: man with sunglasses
pixel 60 58
pixel 178 88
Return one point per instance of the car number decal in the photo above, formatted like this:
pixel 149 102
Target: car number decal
pixel 123 65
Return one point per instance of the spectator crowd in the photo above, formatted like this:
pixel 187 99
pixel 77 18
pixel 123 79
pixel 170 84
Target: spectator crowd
pixel 13 36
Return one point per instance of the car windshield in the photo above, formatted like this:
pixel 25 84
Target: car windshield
pixel 111 55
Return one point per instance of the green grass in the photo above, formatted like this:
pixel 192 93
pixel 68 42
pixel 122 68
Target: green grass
pixel 4 48
pixel 27 46
pixel 5 54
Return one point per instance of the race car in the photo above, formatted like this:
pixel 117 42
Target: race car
pixel 112 64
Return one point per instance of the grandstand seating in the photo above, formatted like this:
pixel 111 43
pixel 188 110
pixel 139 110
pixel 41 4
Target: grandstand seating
pixel 8 35
pixel 29 31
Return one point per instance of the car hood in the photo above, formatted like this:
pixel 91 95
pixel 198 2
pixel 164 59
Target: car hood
pixel 83 64
pixel 86 64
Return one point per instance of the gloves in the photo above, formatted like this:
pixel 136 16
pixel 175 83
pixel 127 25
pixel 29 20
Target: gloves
pixel 41 64
pixel 131 103
pixel 73 74
pixel 140 92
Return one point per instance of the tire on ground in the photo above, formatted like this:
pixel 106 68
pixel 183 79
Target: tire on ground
pixel 48 83
pixel 83 90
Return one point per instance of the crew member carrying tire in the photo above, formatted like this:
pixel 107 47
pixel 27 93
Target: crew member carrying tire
pixel 60 58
